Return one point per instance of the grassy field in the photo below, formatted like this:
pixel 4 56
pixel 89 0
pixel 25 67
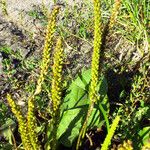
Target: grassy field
pixel 75 79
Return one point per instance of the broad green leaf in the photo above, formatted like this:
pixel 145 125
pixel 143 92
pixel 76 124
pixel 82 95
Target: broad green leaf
pixel 83 79
pixel 72 122
pixel 75 106
pixel 77 92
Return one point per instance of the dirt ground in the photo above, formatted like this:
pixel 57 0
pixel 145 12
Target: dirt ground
pixel 17 11
pixel 18 29
pixel 24 33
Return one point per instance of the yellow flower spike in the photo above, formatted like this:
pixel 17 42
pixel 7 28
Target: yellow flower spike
pixel 96 51
pixel 31 119
pixel 94 67
pixel 110 134
pixel 57 76
pixel 31 122
pixel 22 123
pixel 114 13
pixel 56 87
pixel 47 48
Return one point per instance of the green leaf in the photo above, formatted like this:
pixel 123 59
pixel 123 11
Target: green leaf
pixel 77 92
pixel 72 121
pixel 75 106
pixel 83 79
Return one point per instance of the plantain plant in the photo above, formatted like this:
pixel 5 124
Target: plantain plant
pixel 83 107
